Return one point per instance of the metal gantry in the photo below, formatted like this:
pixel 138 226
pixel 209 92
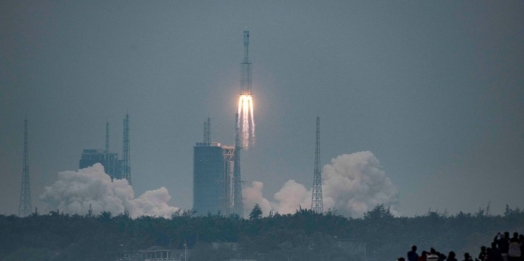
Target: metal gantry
pixel 317 202
pixel 238 207
pixel 207 130
pixel 126 165
pixel 25 194
pixel 107 138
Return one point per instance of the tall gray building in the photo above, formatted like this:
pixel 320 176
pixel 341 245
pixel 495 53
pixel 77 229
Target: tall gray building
pixel 213 168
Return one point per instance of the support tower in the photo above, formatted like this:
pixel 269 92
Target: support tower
pixel 107 137
pixel 24 209
pixel 317 203
pixel 238 207
pixel 126 165
pixel 207 131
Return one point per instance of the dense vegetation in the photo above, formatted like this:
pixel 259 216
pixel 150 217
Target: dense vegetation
pixel 301 236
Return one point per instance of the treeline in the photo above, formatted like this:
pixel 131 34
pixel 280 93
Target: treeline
pixel 301 236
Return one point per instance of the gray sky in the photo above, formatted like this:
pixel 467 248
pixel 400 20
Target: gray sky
pixel 435 89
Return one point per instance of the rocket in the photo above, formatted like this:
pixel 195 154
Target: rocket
pixel 245 83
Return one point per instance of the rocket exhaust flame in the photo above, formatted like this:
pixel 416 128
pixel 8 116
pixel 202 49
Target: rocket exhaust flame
pixel 246 124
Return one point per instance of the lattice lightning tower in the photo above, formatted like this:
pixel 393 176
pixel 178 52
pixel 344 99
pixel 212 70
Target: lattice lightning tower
pixel 126 165
pixel 25 194
pixel 317 203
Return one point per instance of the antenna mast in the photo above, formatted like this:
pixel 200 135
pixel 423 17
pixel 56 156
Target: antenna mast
pixel 207 131
pixel 317 203
pixel 24 209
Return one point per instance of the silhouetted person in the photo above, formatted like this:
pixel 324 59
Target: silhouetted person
pixel 483 254
pixel 514 248
pixel 489 254
pixel 451 256
pixel 521 239
pixel 423 256
pixel 432 255
pixel 401 259
pixel 412 255
pixel 441 256
pixel 495 253
pixel 502 244
pixel 467 257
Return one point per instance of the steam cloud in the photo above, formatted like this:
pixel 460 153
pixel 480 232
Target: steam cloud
pixel 352 184
pixel 75 191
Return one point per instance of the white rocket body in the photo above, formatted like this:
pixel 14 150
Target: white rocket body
pixel 246 68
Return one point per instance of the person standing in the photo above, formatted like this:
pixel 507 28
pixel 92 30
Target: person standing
pixel 432 255
pixel 412 255
pixel 451 256
pixel 514 248
pixel 467 257
pixel 502 241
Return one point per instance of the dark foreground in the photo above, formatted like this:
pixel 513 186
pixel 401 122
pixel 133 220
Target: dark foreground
pixel 301 236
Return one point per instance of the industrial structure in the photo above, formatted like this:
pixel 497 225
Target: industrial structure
pixel 126 152
pixel 217 181
pixel 236 195
pixel 114 167
pixel 317 202
pixel 24 208
pixel 213 176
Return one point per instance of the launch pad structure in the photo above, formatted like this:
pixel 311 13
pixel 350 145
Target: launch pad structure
pixel 217 179
pixel 114 167
pixel 24 208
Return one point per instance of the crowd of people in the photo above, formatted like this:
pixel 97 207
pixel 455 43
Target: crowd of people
pixel 503 248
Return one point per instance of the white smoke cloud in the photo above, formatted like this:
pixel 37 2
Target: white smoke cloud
pixel 355 183
pixel 76 191
pixel 291 197
pixel 352 184
pixel 253 195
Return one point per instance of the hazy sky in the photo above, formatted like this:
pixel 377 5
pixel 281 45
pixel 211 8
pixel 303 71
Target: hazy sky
pixel 435 89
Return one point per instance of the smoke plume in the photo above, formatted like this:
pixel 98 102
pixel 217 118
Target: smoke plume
pixel 352 184
pixel 252 196
pixel 291 197
pixel 75 192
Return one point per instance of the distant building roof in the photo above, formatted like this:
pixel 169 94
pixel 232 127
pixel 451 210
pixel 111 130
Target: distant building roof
pixel 155 249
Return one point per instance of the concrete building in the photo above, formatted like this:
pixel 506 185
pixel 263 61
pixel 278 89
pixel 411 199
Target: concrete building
pixel 112 165
pixel 212 178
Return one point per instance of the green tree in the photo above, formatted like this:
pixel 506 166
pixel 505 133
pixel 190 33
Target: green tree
pixel 256 213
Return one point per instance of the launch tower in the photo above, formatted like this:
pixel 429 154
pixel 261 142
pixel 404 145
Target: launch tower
pixel 114 167
pixel 126 151
pixel 236 204
pixel 24 209
pixel 317 203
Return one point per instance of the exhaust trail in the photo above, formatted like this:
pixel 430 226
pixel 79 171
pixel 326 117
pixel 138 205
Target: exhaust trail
pixel 247 123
